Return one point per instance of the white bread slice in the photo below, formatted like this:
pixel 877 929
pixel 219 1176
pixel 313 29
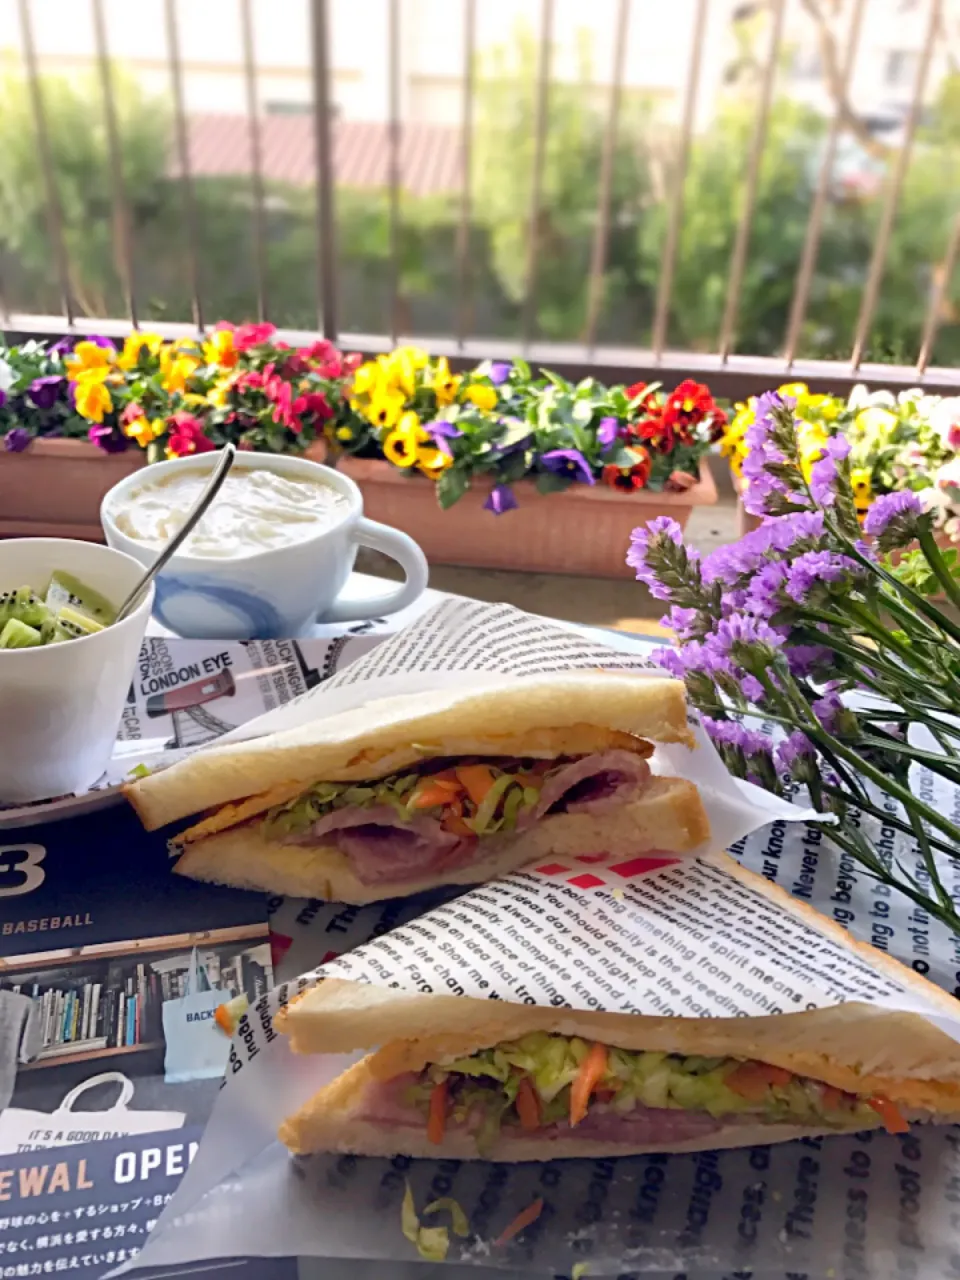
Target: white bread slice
pixel 333 1120
pixel 668 815
pixel 855 1046
pixel 383 735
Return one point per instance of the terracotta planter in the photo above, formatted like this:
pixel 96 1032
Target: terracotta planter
pixel 54 488
pixel 584 530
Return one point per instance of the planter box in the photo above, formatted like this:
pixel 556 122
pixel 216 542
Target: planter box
pixel 583 530
pixel 53 489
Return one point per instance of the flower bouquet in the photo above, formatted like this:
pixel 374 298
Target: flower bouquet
pixel 803 626
pixel 500 423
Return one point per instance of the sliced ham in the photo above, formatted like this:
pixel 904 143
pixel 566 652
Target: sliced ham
pixel 593 784
pixel 383 847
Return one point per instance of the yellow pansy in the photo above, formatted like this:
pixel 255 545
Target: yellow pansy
pixel 178 371
pixel 482 396
pixel 366 379
pixel 404 365
pixel 402 445
pixel 218 393
pixel 345 434
pixel 88 360
pixel 793 389
pixel 144 430
pixel 136 342
pixel 444 383
pixel 862 487
pixel 876 419
pixel 385 407
pixel 92 397
pixel 433 462
pixel 219 349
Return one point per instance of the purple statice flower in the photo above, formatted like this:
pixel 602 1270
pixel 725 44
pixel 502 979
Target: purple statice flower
pixel 785 532
pixel 643 552
pixel 570 463
pixel 442 433
pixel 108 439
pixel 765 591
pixel 500 371
pixel 16 439
pixel 730 733
pixel 794 749
pixel 823 473
pixel 893 519
pixel 805 658
pixel 744 630
pixel 753 690
pixel 671 661
pixel 828 710
pixel 500 499
pixel 608 431
pixel 45 391
pixel 814 568
pixel 680 621
pixel 767 402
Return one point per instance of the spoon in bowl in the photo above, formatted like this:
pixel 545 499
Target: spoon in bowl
pixel 228 455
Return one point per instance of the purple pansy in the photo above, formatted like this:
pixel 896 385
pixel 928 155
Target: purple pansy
pixel 65 346
pixel 16 439
pixel 569 462
pixel 99 340
pixel 45 391
pixel 108 439
pixel 500 499
pixel 608 431
pixel 500 371
pixel 442 433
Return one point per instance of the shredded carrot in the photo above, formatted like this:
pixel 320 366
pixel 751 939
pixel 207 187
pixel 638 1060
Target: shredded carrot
pixel 523 1219
pixel 893 1118
pixel 604 1095
pixel 528 1105
pixel 223 1020
pixel 437 1120
pixel 591 1072
pixel 432 792
pixel 477 779
pixel 453 820
pixel 751 1080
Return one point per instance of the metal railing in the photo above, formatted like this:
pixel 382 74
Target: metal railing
pixel 729 373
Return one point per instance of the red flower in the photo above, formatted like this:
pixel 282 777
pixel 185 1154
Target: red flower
pixel 630 478
pixel 689 403
pixel 317 403
pixel 187 436
pixel 132 413
pixel 657 431
pixel 636 389
pixel 352 362
pixel 253 335
pixel 325 357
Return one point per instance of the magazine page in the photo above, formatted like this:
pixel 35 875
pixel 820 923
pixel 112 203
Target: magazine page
pixel 111 974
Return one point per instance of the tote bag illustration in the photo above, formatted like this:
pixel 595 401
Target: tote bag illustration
pixel 23 1130
pixel 196 1048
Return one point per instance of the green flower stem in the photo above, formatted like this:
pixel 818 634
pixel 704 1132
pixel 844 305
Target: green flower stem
pixel 930 862
pixel 930 758
pixel 881 634
pixel 877 662
pixel 945 913
pixel 867 806
pixel 928 545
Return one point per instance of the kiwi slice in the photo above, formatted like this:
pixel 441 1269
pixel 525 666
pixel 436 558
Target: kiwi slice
pixel 17 635
pixel 66 591
pixel 74 623
pixel 25 605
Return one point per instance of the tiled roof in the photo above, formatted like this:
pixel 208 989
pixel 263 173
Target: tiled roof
pixel 429 154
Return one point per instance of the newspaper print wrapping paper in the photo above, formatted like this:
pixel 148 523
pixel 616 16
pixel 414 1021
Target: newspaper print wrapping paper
pixel 679 937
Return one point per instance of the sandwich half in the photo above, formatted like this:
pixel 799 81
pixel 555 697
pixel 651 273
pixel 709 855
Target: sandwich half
pixel 410 793
pixel 464 1078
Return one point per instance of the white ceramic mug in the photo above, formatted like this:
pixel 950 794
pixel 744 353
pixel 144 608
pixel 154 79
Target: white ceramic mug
pixel 60 704
pixel 276 593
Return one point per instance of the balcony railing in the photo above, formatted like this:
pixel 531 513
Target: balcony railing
pixel 730 370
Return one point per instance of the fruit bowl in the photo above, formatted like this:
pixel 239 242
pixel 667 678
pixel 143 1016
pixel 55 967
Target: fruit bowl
pixel 65 667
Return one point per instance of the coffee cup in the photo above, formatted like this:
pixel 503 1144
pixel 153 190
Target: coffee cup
pixel 247 589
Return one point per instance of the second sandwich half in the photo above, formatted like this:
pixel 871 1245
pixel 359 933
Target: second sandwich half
pixel 408 793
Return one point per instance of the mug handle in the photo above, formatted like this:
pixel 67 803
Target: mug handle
pixel 398 546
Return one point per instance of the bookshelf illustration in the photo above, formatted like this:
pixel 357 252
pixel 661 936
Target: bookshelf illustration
pixel 106 1001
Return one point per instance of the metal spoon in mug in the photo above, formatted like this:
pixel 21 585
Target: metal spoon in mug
pixel 228 455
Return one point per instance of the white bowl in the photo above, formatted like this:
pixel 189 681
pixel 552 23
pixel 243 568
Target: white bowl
pixel 60 704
